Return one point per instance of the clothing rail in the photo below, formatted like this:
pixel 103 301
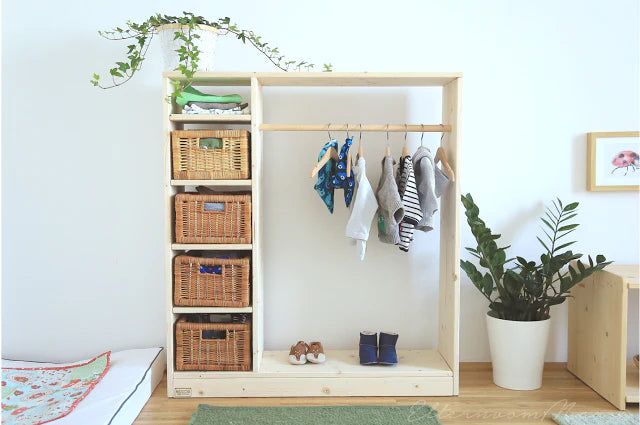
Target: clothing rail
pixel 355 128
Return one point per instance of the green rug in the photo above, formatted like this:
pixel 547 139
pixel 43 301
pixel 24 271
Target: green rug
pixel 315 415
pixel 615 418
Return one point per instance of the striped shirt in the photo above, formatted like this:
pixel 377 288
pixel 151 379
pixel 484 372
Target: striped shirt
pixel 410 202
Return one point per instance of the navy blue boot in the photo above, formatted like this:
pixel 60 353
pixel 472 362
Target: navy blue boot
pixel 387 354
pixel 368 348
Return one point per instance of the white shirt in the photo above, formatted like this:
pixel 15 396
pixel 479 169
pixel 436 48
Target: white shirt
pixel 364 208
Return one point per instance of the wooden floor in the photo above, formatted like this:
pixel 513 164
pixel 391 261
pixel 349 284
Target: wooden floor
pixel 480 402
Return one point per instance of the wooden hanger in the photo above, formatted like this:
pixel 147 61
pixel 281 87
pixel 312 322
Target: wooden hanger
pixel 387 150
pixel 331 153
pixel 405 149
pixel 441 156
pixel 360 151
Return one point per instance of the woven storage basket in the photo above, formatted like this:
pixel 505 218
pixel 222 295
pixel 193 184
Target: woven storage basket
pixel 223 218
pixel 213 346
pixel 230 161
pixel 211 282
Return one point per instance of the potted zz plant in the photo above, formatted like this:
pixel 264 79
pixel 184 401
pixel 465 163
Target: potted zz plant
pixel 521 292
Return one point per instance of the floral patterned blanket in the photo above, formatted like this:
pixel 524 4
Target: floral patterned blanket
pixel 33 396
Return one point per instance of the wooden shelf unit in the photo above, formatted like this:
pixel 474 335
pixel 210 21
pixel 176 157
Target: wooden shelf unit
pixel 597 352
pixel 432 372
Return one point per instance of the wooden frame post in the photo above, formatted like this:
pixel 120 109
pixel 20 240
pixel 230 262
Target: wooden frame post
pixel 256 200
pixel 449 291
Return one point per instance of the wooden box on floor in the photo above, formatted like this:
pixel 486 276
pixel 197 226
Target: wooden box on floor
pixel 432 372
pixel 598 334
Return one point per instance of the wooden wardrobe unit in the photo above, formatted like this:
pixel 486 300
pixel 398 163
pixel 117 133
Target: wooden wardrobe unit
pixel 432 372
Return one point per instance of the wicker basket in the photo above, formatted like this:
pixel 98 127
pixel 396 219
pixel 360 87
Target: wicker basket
pixel 211 282
pixel 193 160
pixel 223 218
pixel 201 345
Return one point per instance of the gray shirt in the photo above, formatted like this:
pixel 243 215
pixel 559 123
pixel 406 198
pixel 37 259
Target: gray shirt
pixel 390 210
pixel 431 181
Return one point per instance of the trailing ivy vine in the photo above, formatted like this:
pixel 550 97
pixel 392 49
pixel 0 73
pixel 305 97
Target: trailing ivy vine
pixel 140 35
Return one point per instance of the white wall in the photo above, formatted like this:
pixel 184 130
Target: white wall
pixel 82 168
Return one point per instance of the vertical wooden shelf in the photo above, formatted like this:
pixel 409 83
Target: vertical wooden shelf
pixel 169 192
pixel 432 372
pixel 256 203
pixel 175 121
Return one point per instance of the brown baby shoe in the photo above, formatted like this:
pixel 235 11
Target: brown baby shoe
pixel 315 352
pixel 298 353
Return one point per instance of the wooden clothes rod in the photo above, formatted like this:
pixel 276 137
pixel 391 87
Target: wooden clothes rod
pixel 355 128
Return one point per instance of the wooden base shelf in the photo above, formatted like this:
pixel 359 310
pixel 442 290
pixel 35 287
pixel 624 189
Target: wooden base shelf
pixel 412 363
pixel 419 373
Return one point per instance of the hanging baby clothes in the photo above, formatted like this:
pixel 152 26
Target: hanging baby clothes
pixel 430 181
pixel 323 182
pixel 410 202
pixel 364 208
pixel 442 181
pixel 340 179
pixel 390 211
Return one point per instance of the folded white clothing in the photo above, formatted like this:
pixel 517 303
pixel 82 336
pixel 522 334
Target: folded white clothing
pixel 195 109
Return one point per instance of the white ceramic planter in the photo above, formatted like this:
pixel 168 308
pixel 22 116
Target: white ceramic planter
pixel 517 352
pixel 206 44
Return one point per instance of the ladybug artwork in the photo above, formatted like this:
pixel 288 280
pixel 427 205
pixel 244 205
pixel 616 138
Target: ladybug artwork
pixel 626 159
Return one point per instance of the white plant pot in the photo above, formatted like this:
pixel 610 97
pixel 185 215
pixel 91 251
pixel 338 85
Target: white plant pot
pixel 517 352
pixel 206 44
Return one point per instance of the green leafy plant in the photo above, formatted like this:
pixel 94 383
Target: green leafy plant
pixel 140 35
pixel 527 290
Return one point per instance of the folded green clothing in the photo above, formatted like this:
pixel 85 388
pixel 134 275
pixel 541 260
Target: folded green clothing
pixel 190 94
pixel 215 105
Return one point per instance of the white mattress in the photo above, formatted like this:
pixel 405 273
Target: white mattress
pixel 121 394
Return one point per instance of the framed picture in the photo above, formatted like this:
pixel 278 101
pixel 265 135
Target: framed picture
pixel 613 161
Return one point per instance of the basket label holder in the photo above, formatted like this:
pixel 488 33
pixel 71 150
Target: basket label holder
pixel 214 206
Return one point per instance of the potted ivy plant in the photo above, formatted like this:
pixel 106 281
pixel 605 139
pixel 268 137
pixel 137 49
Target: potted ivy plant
pixel 189 42
pixel 521 292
